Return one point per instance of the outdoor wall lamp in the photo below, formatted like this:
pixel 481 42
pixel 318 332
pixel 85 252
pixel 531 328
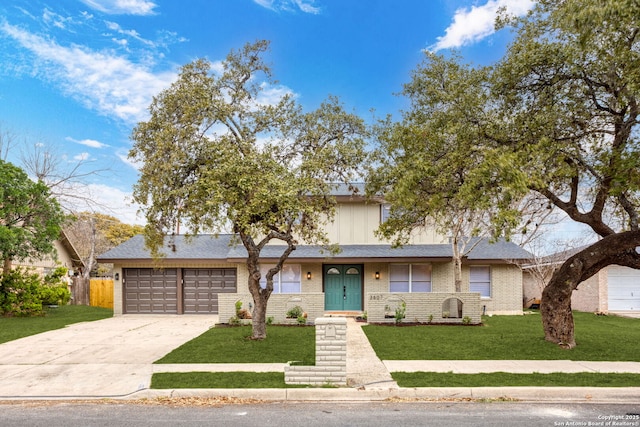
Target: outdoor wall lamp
pixel 308 275
pixel 117 276
pixel 377 275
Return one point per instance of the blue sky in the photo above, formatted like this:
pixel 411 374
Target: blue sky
pixel 77 75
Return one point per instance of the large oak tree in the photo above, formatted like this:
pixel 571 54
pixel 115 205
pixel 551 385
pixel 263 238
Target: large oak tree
pixel 217 153
pixel 557 117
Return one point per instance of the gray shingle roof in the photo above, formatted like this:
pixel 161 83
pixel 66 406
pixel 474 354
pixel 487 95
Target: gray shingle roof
pixel 209 247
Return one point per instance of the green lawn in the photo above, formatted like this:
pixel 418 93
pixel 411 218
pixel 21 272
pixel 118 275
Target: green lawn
pixel 232 345
pixel 220 380
pixel 503 379
pixel 598 338
pixel 12 328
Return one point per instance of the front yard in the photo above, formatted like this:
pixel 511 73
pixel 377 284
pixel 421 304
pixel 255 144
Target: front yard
pixel 13 328
pixel 599 338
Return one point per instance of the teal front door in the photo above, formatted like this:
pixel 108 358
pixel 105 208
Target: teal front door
pixel 343 287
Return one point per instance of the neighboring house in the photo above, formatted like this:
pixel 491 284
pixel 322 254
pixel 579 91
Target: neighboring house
pixel 65 256
pixel 614 289
pixel 209 275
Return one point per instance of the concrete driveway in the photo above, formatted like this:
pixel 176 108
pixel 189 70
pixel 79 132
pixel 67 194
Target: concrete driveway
pixel 106 358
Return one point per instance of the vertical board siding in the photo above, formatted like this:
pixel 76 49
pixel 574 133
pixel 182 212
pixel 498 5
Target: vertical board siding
pixel 101 293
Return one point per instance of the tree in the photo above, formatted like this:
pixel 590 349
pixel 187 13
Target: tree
pixel 557 117
pixel 569 89
pixel 215 152
pixel 30 219
pixel 427 165
pixel 94 233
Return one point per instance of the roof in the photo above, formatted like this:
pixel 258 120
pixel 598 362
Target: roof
pixel 223 248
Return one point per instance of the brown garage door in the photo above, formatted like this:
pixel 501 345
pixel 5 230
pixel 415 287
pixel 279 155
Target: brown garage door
pixel 150 291
pixel 202 286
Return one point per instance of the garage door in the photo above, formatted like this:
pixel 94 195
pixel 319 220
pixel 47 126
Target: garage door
pixel 202 286
pixel 624 288
pixel 150 291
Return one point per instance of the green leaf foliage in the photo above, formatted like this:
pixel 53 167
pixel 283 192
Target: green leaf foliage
pixel 216 152
pixel 30 219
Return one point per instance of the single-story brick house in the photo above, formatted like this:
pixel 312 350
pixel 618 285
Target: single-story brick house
pixel 208 275
pixel 614 289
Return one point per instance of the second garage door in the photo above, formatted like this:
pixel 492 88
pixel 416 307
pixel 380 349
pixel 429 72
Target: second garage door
pixel 202 286
pixel 624 288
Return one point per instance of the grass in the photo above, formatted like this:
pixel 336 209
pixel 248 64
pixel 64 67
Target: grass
pixel 13 328
pixel 219 380
pixel 598 338
pixel 232 345
pixel 503 379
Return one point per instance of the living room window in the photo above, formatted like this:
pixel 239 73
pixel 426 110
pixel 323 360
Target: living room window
pixel 409 278
pixel 287 281
pixel 480 280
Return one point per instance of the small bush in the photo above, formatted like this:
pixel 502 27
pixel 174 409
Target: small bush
pixel 295 312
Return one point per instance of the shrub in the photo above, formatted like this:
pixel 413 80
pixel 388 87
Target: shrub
pixel 20 294
pixel 295 312
pixel 23 293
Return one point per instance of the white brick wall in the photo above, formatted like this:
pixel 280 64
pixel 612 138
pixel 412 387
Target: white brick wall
pixel 331 356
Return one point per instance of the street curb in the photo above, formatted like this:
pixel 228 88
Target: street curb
pixel 526 394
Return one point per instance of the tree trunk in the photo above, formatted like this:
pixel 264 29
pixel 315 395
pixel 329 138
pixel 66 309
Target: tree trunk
pixel 557 317
pixel 6 266
pixel 555 307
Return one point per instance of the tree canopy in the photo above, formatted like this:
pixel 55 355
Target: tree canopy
pixel 217 154
pixel 557 117
pixel 30 219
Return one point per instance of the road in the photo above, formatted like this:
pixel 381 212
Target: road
pixel 370 414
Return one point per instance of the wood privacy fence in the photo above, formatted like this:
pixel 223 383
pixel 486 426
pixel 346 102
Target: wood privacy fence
pixel 94 292
pixel 101 293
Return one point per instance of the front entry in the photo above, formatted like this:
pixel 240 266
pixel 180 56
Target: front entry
pixel 342 287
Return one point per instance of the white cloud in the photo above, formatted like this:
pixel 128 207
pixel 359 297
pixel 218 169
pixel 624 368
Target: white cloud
pixel 81 157
pixel 474 24
pixel 88 142
pixel 306 6
pixel 113 26
pixel 102 81
pixel 122 7
pixel 115 202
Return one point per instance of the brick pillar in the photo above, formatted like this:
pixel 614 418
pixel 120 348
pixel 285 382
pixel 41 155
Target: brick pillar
pixel 331 356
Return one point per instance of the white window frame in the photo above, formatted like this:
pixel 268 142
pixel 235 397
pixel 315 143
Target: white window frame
pixel 385 211
pixel 410 279
pixel 277 279
pixel 483 287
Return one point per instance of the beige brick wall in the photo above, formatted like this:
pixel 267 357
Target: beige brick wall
pixel 277 306
pixel 506 289
pixel 591 295
pixel 423 307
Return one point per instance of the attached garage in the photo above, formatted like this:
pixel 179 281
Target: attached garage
pixel 158 291
pixel 624 288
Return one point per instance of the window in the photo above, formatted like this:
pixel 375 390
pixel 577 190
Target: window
pixel 287 281
pixel 385 210
pixel 480 281
pixel 409 278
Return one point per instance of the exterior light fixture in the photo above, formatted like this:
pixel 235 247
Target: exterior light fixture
pixel 308 275
pixel 117 276
pixel 377 275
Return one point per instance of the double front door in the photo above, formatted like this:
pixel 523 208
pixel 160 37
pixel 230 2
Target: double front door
pixel 342 287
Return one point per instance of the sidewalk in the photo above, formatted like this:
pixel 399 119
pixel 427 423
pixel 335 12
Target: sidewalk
pixel 113 358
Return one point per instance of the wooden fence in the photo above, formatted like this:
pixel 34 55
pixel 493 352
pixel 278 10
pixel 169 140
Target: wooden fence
pixel 101 293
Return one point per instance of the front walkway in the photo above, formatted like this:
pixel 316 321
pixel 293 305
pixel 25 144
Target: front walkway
pixel 364 369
